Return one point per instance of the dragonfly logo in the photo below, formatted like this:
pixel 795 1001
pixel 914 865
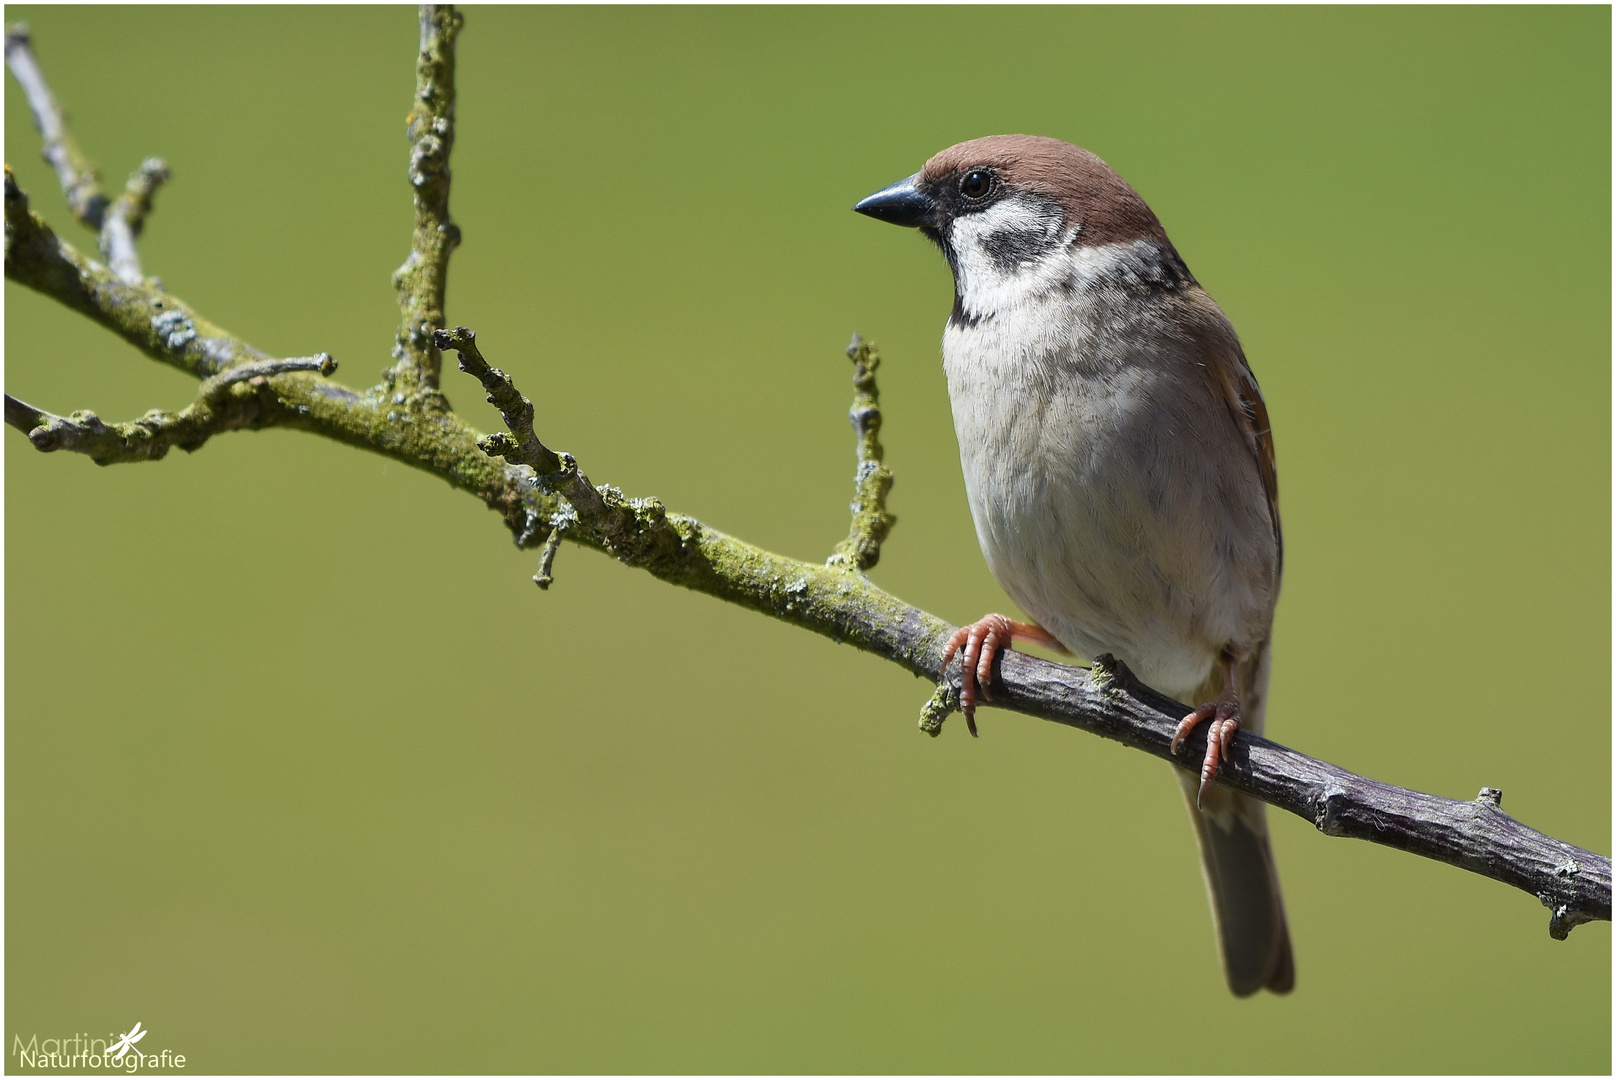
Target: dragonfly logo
pixel 84 1054
pixel 126 1043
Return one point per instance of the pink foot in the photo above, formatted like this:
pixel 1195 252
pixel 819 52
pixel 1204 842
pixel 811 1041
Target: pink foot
pixel 1225 717
pixel 981 642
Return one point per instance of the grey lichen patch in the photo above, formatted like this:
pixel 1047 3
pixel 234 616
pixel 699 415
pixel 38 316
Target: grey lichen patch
pixel 174 329
pixel 219 353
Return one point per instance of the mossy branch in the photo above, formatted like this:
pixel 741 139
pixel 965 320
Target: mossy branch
pixel 238 398
pixel 871 522
pixel 542 495
pixel 422 280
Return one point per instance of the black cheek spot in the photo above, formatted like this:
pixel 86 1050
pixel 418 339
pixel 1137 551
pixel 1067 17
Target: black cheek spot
pixel 1009 249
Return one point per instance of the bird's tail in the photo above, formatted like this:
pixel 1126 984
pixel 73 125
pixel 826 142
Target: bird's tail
pixel 1241 883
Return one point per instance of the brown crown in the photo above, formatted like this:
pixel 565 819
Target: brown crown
pixel 1106 207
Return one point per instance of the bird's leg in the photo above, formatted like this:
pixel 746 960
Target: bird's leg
pixel 981 642
pixel 1225 716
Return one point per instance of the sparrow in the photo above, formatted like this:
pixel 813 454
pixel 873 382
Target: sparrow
pixel 1120 470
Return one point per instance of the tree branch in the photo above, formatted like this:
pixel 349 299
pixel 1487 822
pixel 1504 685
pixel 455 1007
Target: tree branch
pixel 140 312
pixel 422 279
pixel 79 181
pixel 416 429
pixel 119 221
pixel 871 522
pixel 127 216
pixel 542 495
pixel 215 410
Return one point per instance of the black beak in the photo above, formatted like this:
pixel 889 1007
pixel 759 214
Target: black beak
pixel 901 204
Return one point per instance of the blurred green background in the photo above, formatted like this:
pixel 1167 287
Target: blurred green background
pixel 303 773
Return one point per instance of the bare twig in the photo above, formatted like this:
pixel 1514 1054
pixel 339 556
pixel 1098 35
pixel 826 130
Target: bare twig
pixel 214 411
pixel 538 505
pixel 871 522
pixel 422 279
pixel 560 522
pixel 625 527
pixel 79 181
pixel 127 216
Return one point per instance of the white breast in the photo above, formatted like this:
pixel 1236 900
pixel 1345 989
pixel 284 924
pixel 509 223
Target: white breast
pixel 1112 494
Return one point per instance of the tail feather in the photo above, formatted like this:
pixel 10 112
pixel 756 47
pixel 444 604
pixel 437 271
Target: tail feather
pixel 1243 888
pixel 1236 861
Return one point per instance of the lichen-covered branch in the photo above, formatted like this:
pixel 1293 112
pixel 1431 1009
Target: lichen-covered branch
pixel 543 497
pixel 871 522
pixel 158 324
pixel 219 407
pixel 422 279
pixel 417 429
pixel 79 181
pixel 127 216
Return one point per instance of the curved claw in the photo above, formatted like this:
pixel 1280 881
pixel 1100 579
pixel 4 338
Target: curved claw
pixel 981 642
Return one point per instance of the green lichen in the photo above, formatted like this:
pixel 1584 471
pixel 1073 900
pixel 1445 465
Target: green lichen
pixel 871 522
pixel 942 702
pixel 422 279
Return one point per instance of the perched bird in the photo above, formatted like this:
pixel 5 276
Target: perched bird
pixel 1119 467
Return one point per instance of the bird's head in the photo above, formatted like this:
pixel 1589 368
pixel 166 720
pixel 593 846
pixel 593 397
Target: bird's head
pixel 1018 214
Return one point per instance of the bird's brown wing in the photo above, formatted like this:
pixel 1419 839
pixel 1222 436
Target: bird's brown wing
pixel 1231 828
pixel 1224 362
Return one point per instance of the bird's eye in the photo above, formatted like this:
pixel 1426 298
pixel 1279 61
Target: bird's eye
pixel 977 184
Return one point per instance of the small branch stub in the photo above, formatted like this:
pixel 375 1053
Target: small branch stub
pixel 562 520
pixel 126 217
pixel 943 701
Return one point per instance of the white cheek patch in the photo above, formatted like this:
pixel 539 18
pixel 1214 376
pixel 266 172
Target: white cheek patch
pixel 987 287
pixel 1003 254
pixel 1012 215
